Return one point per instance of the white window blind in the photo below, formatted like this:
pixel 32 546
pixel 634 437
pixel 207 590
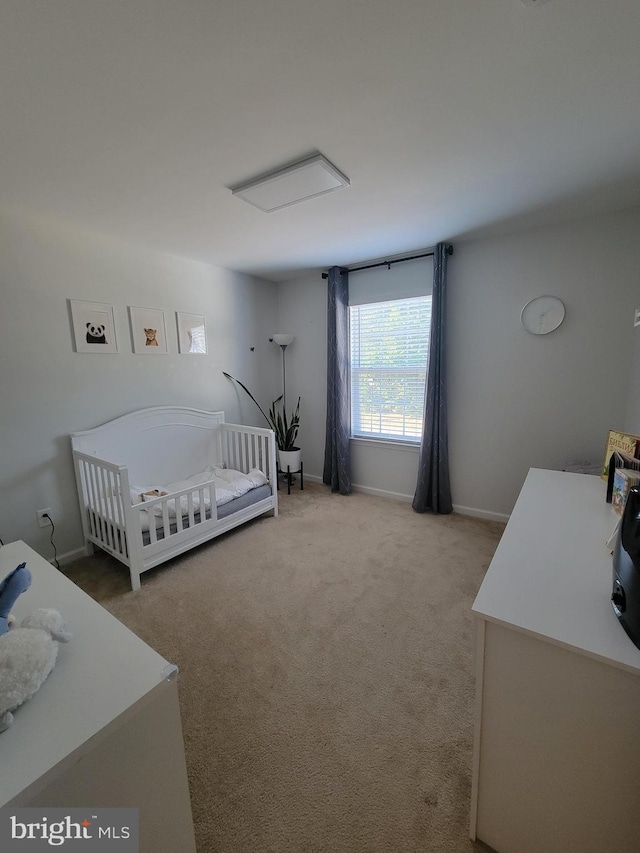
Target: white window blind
pixel 389 351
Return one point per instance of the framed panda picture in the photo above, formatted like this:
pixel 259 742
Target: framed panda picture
pixel 94 328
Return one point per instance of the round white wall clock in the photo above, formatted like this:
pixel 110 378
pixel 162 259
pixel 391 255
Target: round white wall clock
pixel 542 315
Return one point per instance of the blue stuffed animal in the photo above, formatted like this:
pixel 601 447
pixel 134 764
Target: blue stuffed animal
pixel 11 588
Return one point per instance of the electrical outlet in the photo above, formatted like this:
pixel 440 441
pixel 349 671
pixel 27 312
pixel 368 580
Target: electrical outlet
pixel 42 514
pixel 636 321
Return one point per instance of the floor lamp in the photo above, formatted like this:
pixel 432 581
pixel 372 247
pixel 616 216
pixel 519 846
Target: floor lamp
pixel 283 342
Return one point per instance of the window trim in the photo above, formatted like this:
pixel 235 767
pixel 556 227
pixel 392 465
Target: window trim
pixel 395 444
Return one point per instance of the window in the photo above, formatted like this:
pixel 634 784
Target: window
pixel 389 351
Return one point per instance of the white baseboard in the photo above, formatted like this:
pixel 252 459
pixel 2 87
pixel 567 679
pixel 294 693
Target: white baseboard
pixel 368 490
pixel 398 496
pixel 312 478
pixel 481 513
pixel 69 556
pixel 382 493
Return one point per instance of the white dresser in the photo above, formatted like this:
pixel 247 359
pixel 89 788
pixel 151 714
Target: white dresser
pixel 557 726
pixel 104 729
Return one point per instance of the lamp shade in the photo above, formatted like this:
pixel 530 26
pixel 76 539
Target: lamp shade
pixel 283 340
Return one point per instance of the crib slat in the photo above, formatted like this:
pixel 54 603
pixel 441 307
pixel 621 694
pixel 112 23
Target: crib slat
pixel 85 494
pixel 178 508
pixel 234 449
pixel 87 483
pixel 117 514
pixel 82 465
pixel 95 504
pixel 166 526
pixel 190 508
pixel 115 509
pixel 229 454
pixel 107 507
pixel 110 514
pixel 117 492
pixel 153 536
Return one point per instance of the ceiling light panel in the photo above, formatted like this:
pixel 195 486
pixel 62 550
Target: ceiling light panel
pixel 297 182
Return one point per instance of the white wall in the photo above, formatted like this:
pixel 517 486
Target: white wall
pixel 516 400
pixel 48 390
pixel 302 311
pixel 632 422
pixel 520 400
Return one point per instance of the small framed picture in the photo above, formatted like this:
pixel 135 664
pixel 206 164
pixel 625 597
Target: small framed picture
pixel 94 328
pixel 192 333
pixel 148 332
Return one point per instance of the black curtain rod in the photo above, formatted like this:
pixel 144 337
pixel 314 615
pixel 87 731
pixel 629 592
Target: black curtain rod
pixel 388 263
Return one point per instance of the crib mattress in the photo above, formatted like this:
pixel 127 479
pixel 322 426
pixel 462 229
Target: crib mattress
pixel 225 510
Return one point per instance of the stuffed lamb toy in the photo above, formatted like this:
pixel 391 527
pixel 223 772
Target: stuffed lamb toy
pixel 27 653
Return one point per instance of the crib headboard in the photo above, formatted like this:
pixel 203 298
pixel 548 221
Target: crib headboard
pixel 158 445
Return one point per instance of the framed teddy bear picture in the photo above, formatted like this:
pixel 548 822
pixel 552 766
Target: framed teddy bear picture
pixel 94 328
pixel 148 331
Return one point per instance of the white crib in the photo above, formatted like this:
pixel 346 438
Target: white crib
pixel 163 445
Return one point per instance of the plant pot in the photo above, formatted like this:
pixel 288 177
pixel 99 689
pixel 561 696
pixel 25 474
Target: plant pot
pixel 289 459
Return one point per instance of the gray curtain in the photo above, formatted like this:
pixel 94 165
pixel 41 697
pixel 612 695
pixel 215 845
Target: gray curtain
pixel 433 491
pixel 337 453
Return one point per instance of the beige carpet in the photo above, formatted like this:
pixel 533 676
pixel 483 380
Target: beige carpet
pixel 326 678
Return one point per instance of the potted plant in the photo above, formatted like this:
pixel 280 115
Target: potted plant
pixel 285 429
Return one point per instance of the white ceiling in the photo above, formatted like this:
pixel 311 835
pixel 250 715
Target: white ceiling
pixel 450 117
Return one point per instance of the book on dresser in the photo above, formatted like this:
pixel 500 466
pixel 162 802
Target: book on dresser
pixel 619 442
pixel 624 470
pixel 623 480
